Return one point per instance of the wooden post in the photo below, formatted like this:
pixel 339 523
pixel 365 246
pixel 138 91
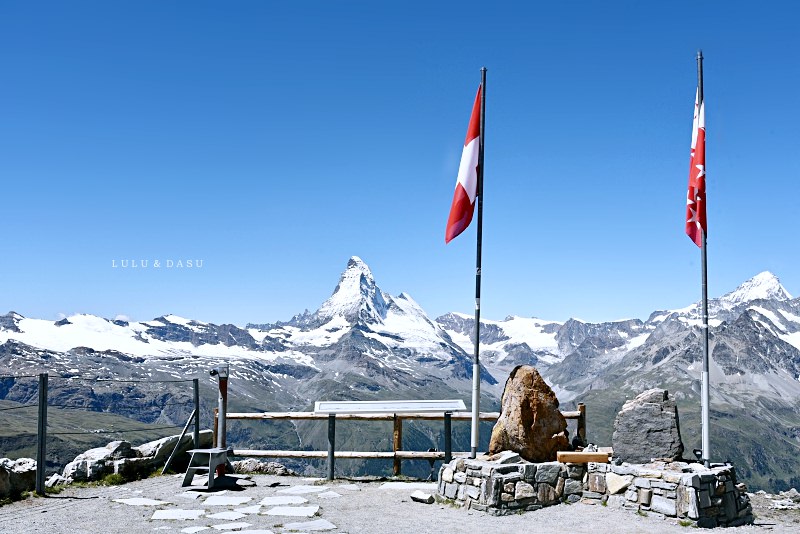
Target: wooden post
pixel 41 449
pixel 397 442
pixel 331 444
pixel 448 439
pixel 196 433
pixel 216 426
pixel 582 423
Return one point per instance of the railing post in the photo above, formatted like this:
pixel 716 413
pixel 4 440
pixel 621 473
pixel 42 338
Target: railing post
pixel 331 443
pixel 397 443
pixel 448 438
pixel 582 423
pixel 41 444
pixel 196 433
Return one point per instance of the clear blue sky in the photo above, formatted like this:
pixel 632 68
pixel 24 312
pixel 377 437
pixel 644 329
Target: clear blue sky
pixel 273 140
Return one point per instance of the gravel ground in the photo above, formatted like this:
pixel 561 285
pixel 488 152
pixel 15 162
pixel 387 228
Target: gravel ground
pixel 373 507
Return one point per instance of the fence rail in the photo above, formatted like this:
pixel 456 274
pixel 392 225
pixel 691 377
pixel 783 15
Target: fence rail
pixel 397 454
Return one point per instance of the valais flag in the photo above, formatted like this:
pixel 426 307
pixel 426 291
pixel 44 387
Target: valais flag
pixel 696 196
pixel 467 182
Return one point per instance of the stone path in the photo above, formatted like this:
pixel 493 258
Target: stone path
pixel 280 505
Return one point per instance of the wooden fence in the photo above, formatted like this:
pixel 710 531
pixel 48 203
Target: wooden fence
pixel 397 454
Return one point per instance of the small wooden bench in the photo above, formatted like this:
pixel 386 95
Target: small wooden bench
pixel 205 460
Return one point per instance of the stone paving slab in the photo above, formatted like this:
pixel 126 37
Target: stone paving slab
pixel 231 526
pixel 303 489
pixel 230 516
pixel 226 500
pixel 193 530
pixel 256 508
pixel 293 511
pixel 282 499
pixel 329 495
pixel 319 524
pixel 177 514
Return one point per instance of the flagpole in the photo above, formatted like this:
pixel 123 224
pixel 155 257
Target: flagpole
pixel 704 392
pixel 476 363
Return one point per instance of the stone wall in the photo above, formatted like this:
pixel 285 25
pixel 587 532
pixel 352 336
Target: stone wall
pixel 505 484
pixel 505 488
pixel 710 497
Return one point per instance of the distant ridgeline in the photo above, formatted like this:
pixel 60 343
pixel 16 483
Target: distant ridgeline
pixel 364 344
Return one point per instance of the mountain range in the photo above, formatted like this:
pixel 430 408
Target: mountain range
pixel 363 344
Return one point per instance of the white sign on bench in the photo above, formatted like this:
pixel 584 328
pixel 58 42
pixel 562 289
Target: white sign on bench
pixel 402 406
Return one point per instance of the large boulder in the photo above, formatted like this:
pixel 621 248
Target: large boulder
pixel 647 427
pixel 16 477
pixel 118 457
pixel 530 422
pixel 158 451
pixel 94 464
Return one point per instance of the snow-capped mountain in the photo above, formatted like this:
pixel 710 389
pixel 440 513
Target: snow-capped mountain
pixel 363 343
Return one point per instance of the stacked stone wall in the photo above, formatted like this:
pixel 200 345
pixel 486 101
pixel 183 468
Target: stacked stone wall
pixel 501 489
pixel 710 497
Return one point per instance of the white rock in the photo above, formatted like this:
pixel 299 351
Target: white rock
pixel 420 496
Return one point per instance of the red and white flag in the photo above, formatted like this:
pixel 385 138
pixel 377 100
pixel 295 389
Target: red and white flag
pixel 696 196
pixel 467 182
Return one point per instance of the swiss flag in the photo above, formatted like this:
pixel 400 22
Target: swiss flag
pixel 696 196
pixel 467 182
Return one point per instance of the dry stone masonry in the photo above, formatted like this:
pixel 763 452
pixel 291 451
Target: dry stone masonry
pixel 709 497
pixel 506 484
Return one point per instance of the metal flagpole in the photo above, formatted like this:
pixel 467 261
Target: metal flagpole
pixel 476 363
pixel 704 392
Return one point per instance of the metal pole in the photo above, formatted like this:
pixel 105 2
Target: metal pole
pixel 41 444
pixel 223 406
pixel 196 433
pixel 177 444
pixel 331 443
pixel 448 438
pixel 476 363
pixel 706 440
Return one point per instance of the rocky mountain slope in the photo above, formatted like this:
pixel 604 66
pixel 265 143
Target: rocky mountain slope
pixel 755 371
pixel 360 344
pixel 363 343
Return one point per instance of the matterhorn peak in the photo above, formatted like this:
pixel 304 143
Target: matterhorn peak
pixel 356 296
pixel 356 264
pixel 764 285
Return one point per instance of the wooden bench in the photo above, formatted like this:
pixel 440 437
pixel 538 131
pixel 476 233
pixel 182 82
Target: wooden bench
pixel 204 460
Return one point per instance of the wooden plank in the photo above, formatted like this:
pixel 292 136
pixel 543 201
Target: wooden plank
pixel 576 457
pixel 458 416
pixel 420 455
pixel 388 455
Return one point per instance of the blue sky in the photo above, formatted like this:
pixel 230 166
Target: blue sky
pixel 273 140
